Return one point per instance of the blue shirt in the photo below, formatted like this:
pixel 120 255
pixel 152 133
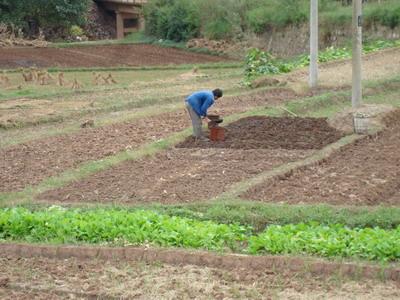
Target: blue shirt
pixel 201 101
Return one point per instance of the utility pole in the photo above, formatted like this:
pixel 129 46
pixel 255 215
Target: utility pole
pixel 356 98
pixel 313 80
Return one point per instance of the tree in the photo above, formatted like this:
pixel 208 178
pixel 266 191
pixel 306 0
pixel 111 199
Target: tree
pixel 43 13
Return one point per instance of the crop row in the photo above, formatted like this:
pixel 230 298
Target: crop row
pixel 259 62
pixel 118 226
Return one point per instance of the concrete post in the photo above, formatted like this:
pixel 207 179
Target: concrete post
pixel 356 99
pixel 120 25
pixel 313 80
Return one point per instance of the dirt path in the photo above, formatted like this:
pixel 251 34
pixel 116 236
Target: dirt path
pixel 184 175
pixel 100 56
pixel 41 278
pixel 375 66
pixel 364 173
pixel 31 162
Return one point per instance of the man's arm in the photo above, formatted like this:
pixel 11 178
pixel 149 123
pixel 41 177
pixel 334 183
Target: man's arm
pixel 207 103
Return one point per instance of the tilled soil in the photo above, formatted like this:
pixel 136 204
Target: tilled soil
pixel 100 56
pixel 31 162
pixel 366 172
pixel 175 176
pixel 41 278
pixel 261 132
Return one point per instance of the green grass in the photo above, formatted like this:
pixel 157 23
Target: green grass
pixel 260 215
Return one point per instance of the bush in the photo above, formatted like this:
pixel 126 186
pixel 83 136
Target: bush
pixel 43 13
pixel 172 20
pixel 277 13
pixel 76 31
pixel 220 19
pixel 387 16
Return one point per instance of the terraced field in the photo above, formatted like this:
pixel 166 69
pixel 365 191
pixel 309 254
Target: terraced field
pixel 286 160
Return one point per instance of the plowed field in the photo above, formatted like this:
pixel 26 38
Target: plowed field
pixel 273 133
pixel 31 162
pixel 184 175
pixel 100 56
pixel 364 173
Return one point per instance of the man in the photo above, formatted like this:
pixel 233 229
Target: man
pixel 197 105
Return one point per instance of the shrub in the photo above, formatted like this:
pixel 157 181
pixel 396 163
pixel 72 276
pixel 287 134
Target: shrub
pixel 76 31
pixel 172 20
pixel 44 13
pixel 277 13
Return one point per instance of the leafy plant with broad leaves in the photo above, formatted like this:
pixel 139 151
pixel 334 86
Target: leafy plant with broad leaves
pixel 138 227
pixel 258 62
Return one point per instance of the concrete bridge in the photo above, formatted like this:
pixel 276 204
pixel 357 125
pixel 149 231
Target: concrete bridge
pixel 128 14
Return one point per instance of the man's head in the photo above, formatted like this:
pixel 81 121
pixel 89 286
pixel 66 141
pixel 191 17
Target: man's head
pixel 217 93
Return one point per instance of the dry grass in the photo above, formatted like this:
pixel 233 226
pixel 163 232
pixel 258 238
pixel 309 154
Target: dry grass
pixel 128 280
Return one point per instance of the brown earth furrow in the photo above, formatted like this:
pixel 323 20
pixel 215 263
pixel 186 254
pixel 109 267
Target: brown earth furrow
pixel 364 173
pixel 32 162
pixel 100 56
pixel 174 274
pixel 190 174
pixel 262 132
pixel 180 175
pixel 29 163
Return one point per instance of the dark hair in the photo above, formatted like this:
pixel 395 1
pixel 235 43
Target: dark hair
pixel 217 93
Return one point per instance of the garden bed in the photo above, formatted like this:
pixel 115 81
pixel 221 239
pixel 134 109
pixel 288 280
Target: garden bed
pixel 366 172
pixel 261 132
pixel 174 176
pixel 123 227
pixel 188 174
pixel 31 162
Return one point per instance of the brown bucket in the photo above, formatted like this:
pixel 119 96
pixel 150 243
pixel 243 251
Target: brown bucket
pixel 217 134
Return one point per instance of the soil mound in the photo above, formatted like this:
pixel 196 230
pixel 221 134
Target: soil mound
pixel 261 132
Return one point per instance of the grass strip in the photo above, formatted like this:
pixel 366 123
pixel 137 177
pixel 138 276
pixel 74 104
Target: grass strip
pixel 121 227
pixel 260 215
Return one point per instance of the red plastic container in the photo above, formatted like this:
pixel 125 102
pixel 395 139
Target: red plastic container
pixel 217 134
